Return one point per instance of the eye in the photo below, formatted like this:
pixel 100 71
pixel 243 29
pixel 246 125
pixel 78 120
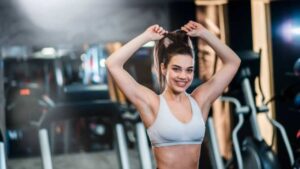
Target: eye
pixel 176 69
pixel 190 70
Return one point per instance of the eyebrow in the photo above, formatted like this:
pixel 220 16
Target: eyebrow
pixel 191 67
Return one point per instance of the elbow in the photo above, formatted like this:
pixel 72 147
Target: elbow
pixel 238 62
pixel 108 64
pixel 235 62
pixel 111 64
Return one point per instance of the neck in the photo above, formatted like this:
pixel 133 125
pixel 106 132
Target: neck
pixel 174 95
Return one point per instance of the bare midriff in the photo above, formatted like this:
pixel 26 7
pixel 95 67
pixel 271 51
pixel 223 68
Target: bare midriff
pixel 177 156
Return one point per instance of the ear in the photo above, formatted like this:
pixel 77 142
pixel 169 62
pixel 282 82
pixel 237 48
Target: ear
pixel 163 69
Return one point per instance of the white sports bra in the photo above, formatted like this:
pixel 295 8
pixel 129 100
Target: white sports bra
pixel 167 130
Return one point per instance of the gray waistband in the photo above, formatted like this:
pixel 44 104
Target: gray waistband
pixel 176 143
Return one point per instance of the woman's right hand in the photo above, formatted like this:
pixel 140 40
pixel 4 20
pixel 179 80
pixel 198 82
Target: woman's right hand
pixel 155 32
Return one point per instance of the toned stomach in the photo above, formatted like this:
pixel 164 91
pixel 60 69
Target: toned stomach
pixel 177 157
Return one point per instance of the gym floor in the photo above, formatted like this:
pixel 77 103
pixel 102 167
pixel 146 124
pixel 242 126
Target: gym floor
pixel 99 160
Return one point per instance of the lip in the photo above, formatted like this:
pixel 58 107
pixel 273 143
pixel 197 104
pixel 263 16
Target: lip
pixel 181 83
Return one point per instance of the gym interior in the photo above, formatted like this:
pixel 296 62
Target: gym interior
pixel 60 108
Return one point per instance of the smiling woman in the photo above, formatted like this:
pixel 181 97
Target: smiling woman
pixel 175 120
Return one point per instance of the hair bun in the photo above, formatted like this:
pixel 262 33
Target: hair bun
pixel 178 36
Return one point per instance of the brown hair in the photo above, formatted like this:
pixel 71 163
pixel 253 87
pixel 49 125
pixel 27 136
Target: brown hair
pixel 173 43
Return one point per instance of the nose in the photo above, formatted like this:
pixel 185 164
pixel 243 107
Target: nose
pixel 182 75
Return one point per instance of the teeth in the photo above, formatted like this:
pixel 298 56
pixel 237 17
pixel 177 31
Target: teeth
pixel 181 83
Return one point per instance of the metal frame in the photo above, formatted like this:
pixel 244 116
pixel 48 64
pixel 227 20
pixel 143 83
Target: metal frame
pixel 122 147
pixel 143 146
pixel 2 153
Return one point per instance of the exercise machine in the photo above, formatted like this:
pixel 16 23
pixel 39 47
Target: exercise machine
pixel 2 152
pixel 30 104
pixel 138 135
pixel 252 152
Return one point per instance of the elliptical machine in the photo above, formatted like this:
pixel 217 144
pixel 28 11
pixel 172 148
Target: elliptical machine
pixel 2 152
pixel 252 152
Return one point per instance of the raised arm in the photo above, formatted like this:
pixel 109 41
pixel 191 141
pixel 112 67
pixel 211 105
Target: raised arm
pixel 139 95
pixel 208 92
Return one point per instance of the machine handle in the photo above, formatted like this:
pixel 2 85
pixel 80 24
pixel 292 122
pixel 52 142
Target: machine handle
pixel 238 107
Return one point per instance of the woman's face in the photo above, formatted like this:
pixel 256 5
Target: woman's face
pixel 179 73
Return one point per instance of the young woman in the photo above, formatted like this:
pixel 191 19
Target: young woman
pixel 175 120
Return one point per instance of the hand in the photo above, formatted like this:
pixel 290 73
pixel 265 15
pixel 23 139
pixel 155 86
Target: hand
pixel 155 32
pixel 193 29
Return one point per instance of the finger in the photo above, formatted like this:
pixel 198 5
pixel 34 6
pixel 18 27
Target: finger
pixel 159 29
pixel 197 25
pixel 155 28
pixel 192 23
pixel 164 32
pixel 189 33
pixel 188 27
pixel 184 29
pixel 193 26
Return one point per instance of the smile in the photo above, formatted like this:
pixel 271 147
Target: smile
pixel 181 83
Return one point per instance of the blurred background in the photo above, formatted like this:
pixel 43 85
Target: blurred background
pixel 53 78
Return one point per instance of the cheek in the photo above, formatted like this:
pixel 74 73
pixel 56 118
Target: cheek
pixel 191 76
pixel 170 73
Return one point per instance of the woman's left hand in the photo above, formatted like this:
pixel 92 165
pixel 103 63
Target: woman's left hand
pixel 193 29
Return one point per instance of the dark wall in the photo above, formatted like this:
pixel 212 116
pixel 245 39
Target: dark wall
pixel 287 86
pixel 240 27
pixel 181 13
